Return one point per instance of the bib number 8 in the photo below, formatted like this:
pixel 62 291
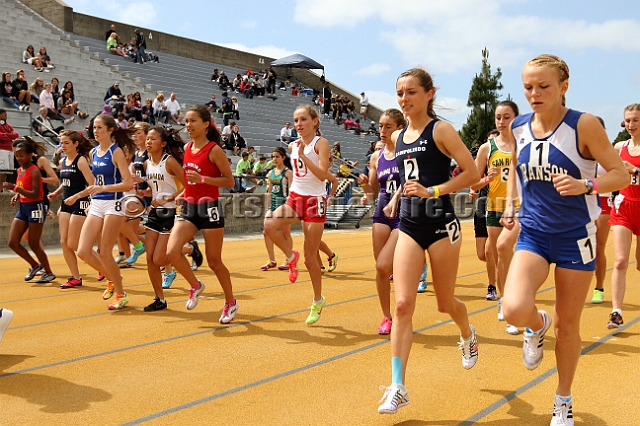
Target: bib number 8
pixel 100 180
pixel 117 206
pixel 411 171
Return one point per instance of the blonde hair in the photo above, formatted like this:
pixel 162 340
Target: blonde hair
pixel 632 107
pixel 313 114
pixel 142 125
pixel 555 62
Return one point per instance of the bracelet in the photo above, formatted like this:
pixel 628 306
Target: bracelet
pixel 201 178
pixel 486 179
pixel 595 185
pixel 436 191
pixel 15 188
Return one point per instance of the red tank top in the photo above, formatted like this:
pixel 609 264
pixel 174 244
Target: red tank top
pixel 25 181
pixel 631 192
pixel 199 193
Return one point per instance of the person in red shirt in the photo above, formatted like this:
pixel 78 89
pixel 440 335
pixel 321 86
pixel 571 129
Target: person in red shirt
pixel 7 136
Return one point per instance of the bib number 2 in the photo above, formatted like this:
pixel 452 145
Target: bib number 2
pixel 411 171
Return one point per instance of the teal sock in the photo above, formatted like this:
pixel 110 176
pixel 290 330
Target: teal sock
pixel 396 371
pixel 138 246
pixel 565 399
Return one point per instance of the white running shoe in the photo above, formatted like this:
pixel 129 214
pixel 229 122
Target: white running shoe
pixel 562 413
pixel 5 319
pixel 512 329
pixel 532 348
pixel 395 396
pixel 121 258
pixel 469 350
pixel 500 314
pixel 229 312
pixel 193 295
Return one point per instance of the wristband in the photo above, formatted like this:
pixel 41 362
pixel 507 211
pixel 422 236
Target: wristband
pixel 436 191
pixel 486 179
pixel 201 178
pixel 15 188
pixel 595 185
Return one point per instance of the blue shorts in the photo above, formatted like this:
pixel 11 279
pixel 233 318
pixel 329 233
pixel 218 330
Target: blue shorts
pixel 569 250
pixel 33 212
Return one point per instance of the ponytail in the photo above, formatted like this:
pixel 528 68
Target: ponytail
pixel 122 137
pixel 84 145
pixel 175 144
pixel 205 115
pixel 30 146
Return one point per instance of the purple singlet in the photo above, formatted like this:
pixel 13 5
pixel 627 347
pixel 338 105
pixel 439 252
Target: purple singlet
pixel 389 180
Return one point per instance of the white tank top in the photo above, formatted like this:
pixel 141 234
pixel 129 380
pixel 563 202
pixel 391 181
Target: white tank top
pixel 160 181
pixel 601 171
pixel 305 182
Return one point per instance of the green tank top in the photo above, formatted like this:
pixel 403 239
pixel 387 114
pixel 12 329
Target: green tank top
pixel 279 188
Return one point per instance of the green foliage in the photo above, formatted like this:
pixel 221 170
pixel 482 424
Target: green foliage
pixel 622 136
pixel 483 98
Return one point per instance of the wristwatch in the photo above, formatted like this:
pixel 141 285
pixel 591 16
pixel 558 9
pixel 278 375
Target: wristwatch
pixel 637 170
pixel 431 192
pixel 589 184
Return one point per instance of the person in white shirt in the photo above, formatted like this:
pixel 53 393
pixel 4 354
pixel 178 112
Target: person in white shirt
pixel 286 134
pixel 160 111
pixel 46 101
pixel 364 106
pixel 173 107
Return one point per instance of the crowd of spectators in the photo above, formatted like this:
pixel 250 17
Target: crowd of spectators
pixel 135 49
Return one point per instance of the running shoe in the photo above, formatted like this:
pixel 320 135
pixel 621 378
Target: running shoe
pixel 395 396
pixel 284 266
pixel 500 314
pixel 316 310
pixel 323 270
pixel 156 305
pixel 46 278
pixel 5 319
pixel 333 262
pixel 512 329
pixel 469 349
pixel 423 277
pixel 196 255
pixel 562 413
pixel 120 258
pixel 168 277
pixel 385 327
pixel 33 271
pixel 126 265
pixel 72 282
pixel 422 285
pixel 109 291
pixel 615 320
pixel 598 296
pixel 229 312
pixel 40 272
pixel 491 293
pixel 293 267
pixel 194 292
pixel 121 301
pixel 269 265
pixel 100 276
pixel 532 349
pixel 135 254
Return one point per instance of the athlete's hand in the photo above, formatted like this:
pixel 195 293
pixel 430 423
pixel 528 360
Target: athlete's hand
pixel 329 201
pixel 14 199
pixel 492 173
pixel 95 189
pixel 566 185
pixel 7 185
pixel 301 150
pixel 391 209
pixel 158 202
pixel 473 195
pixel 630 167
pixel 363 179
pixel 71 200
pixel 364 199
pixel 136 178
pixel 415 189
pixel 508 219
pixel 52 196
pixel 193 176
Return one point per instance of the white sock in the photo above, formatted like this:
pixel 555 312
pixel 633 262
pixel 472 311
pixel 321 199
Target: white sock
pixel 619 311
pixel 289 259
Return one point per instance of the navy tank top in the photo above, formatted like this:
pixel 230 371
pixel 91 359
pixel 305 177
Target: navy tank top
pixel 138 167
pixel 72 178
pixel 422 161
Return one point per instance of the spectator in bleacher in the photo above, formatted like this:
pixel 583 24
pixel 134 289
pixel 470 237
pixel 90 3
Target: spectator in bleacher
pixel 130 48
pixel 43 126
pixel 271 81
pixel 7 136
pixel 335 151
pixel 21 90
pixel 236 83
pixel 364 106
pixel 252 154
pixel 294 90
pixel 141 45
pixel 286 133
pixel 173 106
pixel 112 45
pixel 236 107
pixel 160 110
pixel 147 112
pixel 55 89
pixel 246 87
pixel 372 131
pixel 244 169
pixel 29 57
pixel 131 110
pixel 66 104
pixel 350 109
pixel 112 29
pixel 212 105
pixel 7 92
pixel 114 91
pixel 215 76
pixel 36 89
pixel 326 94
pixel 46 60
pixel 260 168
pixel 226 132
pixel 237 141
pixel 122 121
pixel 223 81
pixel 46 101
pixel 258 86
pixel 227 108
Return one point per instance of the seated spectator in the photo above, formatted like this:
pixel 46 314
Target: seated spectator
pixel 223 81
pixel 237 141
pixel 260 168
pixel 147 112
pixel 258 86
pixel 6 91
pixel 244 169
pixel 112 45
pixel 107 110
pixel 215 76
pixel 294 91
pixel 7 136
pixel 122 121
pixel 130 48
pixel 227 108
pixel 236 83
pixel 46 60
pixel 212 105
pixel 173 106
pixel 247 88
pixel 130 109
pixel 66 104
pixel 46 101
pixel 251 151
pixel 286 133
pixel 29 57
pixel 55 89
pixel 21 90
pixel 36 88
pixel 114 91
pixel 112 30
pixel 226 132
pixel 372 131
pixel 43 126
pixel 335 151
pixel 160 111
pixel 236 107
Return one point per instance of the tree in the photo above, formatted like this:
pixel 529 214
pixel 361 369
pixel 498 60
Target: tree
pixel 622 136
pixel 483 98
